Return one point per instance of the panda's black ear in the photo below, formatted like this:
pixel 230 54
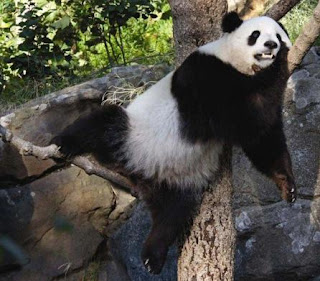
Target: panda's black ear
pixel 231 22
pixel 284 29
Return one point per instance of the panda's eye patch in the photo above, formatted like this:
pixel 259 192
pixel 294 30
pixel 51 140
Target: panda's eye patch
pixel 279 37
pixel 253 37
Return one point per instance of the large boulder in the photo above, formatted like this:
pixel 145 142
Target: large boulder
pixel 56 220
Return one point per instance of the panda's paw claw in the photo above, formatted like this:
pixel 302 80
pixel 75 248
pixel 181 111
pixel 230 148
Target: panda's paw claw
pixel 66 144
pixel 290 192
pixel 153 259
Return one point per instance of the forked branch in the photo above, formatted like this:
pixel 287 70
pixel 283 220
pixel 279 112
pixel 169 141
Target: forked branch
pixel 52 151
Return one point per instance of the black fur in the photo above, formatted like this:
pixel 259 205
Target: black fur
pixel 218 102
pixel 172 210
pixel 231 22
pixel 101 133
pixel 253 37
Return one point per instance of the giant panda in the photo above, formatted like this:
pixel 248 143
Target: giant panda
pixel 169 139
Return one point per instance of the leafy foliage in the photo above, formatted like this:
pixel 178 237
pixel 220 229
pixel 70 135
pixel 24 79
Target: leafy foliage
pixel 38 54
pixel 57 40
pixel 297 17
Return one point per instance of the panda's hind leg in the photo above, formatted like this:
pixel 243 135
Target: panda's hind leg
pixel 172 210
pixel 101 132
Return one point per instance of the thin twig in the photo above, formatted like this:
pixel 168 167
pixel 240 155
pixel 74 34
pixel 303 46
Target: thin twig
pixel 106 46
pixel 121 45
pixel 112 49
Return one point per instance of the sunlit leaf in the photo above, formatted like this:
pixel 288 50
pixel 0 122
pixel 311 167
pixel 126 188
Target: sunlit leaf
pixel 4 24
pixel 62 23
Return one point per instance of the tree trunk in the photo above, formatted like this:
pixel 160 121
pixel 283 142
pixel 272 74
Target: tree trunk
pixel 195 22
pixel 208 252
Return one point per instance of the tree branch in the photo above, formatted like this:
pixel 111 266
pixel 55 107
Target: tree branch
pixel 306 38
pixel 52 151
pixel 278 10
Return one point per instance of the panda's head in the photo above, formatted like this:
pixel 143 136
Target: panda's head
pixel 251 45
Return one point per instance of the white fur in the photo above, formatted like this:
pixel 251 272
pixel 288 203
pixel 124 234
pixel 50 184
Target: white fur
pixel 155 147
pixel 233 48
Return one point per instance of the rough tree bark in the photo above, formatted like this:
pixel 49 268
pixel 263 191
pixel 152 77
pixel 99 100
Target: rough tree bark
pixel 278 10
pixel 195 23
pixel 208 252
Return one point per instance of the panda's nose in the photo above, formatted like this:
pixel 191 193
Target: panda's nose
pixel 271 44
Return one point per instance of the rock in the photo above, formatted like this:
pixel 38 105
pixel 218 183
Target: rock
pixel 278 242
pixel 312 57
pixel 305 82
pixel 57 220
pixel 112 270
pixel 250 187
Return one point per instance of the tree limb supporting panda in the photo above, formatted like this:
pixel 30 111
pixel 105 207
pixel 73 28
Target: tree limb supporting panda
pixel 169 139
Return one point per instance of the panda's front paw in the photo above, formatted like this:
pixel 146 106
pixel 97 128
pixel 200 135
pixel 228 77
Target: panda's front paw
pixel 67 145
pixel 154 257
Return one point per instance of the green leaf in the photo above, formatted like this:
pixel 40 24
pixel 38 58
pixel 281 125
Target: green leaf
pixel 31 22
pixel 51 16
pixel 62 23
pixel 46 40
pixel 4 25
